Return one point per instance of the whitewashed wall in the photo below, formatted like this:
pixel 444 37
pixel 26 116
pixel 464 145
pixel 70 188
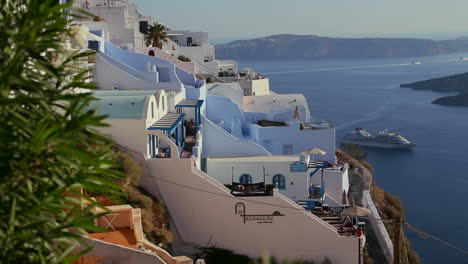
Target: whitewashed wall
pixel 255 87
pixel 274 138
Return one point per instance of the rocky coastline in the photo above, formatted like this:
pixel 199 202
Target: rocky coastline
pixel 451 84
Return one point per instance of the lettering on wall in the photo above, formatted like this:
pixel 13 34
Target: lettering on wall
pixel 239 209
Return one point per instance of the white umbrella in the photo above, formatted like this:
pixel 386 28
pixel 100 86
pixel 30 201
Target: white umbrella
pixel 314 151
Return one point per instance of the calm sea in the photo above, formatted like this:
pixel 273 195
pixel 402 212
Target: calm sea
pixel 432 179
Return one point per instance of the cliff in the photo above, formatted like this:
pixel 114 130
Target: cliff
pixel 454 83
pixel 364 192
pixel 278 47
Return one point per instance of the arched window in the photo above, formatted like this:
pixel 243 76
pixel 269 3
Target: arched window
pixel 245 179
pixel 279 181
pixel 151 53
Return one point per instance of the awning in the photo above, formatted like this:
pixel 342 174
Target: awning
pixel 190 103
pixel 167 122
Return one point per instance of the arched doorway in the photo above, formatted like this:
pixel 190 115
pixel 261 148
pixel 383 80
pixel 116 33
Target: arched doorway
pixel 151 53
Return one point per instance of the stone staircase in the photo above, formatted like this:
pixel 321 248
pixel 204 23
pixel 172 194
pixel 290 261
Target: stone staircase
pixel 343 224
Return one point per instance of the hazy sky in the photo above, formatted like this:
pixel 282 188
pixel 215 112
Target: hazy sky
pixel 234 19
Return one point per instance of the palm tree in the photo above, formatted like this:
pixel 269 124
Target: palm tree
pixel 156 35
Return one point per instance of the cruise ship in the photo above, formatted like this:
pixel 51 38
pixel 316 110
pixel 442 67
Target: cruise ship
pixel 384 139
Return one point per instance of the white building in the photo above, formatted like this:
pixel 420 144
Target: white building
pixel 126 26
pixel 196 46
pixel 253 84
pixel 294 178
pixel 279 123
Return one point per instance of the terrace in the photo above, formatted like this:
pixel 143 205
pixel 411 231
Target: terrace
pixel 124 228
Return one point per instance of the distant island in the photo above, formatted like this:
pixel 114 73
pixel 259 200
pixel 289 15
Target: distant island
pixel 282 47
pixel 454 83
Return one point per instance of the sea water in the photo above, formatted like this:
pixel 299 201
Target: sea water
pixel 431 179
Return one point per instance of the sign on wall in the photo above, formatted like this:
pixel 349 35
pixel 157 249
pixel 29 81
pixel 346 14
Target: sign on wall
pixel 298 166
pixel 239 209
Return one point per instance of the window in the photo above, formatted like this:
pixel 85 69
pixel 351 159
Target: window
pixel 279 181
pixel 189 41
pixel 93 44
pixel 143 27
pixel 163 103
pixel 287 149
pixel 245 179
pixel 152 110
pixel 176 41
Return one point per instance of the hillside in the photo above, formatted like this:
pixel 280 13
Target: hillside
pixel 454 83
pixel 278 47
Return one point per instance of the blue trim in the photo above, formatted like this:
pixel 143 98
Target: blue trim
pixel 315 171
pixel 198 105
pixel 307 204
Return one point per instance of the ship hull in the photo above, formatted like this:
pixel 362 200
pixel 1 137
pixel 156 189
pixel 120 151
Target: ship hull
pixel 378 144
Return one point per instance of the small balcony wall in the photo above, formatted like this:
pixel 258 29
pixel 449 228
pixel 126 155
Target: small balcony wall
pixel 252 189
pixel 318 125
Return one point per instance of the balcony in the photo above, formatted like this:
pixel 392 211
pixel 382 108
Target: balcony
pixel 251 189
pixel 318 125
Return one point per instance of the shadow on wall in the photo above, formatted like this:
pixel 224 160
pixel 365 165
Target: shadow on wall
pixel 223 111
pixel 220 142
pixel 140 62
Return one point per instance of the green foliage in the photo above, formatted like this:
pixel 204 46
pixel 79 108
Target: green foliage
pixel 153 213
pixel 184 59
pixel 355 151
pixel 214 255
pixel 48 150
pixel 367 257
pixel 156 35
